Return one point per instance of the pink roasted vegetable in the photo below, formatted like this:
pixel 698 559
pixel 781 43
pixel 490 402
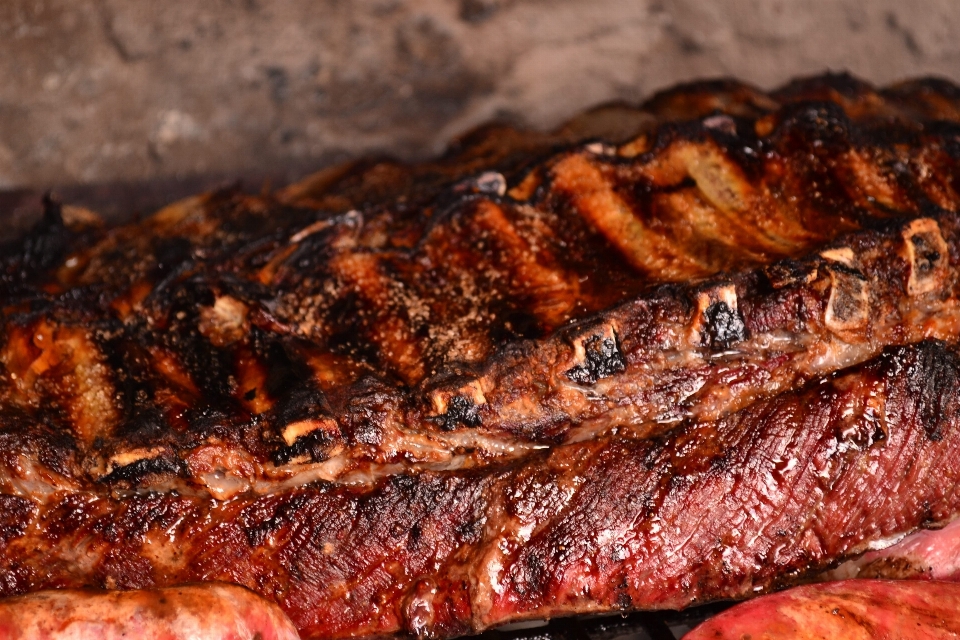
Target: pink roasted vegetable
pixel 211 611
pixel 849 609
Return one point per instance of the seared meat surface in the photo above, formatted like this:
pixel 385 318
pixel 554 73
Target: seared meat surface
pixel 722 509
pixel 661 356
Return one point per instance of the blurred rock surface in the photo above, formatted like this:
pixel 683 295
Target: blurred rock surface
pixel 102 91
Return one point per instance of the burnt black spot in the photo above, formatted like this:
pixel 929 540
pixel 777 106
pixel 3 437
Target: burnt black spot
pixel 222 421
pixel 460 411
pixel 15 515
pixel 45 244
pixel 315 444
pixel 471 530
pixel 723 327
pixel 172 254
pixel 602 359
pixel 260 522
pixel 788 272
pixel 302 402
pixel 362 413
pixel 144 427
pixel 531 576
pixel 927 257
pixel 284 373
pixel 934 382
pixel 822 126
pixel 137 472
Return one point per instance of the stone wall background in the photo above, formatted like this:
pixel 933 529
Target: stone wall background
pixel 106 91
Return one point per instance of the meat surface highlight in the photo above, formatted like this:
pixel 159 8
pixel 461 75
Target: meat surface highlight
pixel 854 609
pixel 662 356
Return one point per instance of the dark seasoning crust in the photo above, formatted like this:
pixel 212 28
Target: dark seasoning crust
pixel 660 357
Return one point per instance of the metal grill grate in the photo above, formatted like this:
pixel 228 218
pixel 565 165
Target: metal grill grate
pixel 647 625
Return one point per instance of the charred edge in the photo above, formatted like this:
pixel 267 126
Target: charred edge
pixel 723 328
pixel 935 382
pixel 461 410
pixel 315 445
pixel 136 472
pixel 46 242
pixel 786 273
pixel 602 358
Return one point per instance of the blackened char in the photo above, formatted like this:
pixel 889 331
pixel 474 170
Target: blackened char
pixel 664 355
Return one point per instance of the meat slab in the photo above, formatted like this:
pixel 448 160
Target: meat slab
pixel 694 351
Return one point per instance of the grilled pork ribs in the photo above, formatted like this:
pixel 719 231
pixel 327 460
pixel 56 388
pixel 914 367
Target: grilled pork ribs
pixel 662 356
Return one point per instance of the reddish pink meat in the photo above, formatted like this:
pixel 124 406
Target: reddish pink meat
pixel 875 609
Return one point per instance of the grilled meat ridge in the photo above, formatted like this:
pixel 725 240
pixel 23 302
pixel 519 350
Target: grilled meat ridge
pixel 724 509
pixel 658 357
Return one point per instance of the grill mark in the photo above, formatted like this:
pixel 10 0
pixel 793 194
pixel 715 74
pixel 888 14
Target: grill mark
pixel 595 199
pixel 388 537
pixel 384 313
pixel 251 381
pixel 873 182
pixel 201 239
pixel 465 287
pixel 551 290
pixel 173 400
pixel 63 366
pixel 933 177
pixel 810 138
pixel 730 211
pixel 751 214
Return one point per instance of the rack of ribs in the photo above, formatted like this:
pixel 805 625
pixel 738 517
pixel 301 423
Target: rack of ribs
pixel 698 350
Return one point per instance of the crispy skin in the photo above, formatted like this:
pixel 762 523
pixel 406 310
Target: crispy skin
pixel 416 398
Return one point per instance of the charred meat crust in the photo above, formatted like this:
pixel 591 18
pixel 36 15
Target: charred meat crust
pixel 493 315
pixel 719 509
pixel 420 386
